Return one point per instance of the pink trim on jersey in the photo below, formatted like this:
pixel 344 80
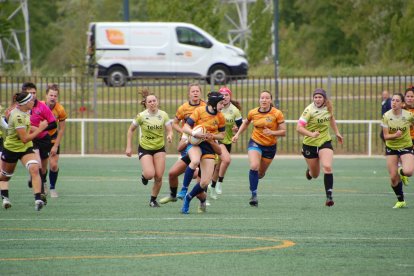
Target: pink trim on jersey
pixel 39 113
pixel 302 122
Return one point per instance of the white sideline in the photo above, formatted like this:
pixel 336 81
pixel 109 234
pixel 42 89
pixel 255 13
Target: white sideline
pixel 236 156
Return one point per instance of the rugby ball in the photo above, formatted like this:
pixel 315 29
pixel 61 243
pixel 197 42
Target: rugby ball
pixel 193 140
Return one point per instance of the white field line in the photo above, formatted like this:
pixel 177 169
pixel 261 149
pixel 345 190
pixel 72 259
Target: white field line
pixel 180 237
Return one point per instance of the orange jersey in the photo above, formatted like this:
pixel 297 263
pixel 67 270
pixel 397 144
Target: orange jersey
pixel 261 120
pixel 60 115
pixel 214 123
pixel 186 109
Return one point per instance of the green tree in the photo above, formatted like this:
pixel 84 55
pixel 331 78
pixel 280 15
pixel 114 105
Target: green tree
pixel 261 37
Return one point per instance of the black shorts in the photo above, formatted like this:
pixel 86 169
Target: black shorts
pixel 186 159
pixel 44 145
pixel 228 147
pixel 398 152
pixel 1 144
pixel 12 157
pixel 142 151
pixel 311 152
pixel 58 149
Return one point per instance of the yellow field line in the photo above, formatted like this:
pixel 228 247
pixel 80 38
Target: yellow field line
pixel 281 244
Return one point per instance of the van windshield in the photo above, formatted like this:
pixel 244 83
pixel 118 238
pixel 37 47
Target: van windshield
pixel 191 37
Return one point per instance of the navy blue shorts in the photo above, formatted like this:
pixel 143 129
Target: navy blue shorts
pixel 268 152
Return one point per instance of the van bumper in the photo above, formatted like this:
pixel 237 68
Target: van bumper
pixel 239 70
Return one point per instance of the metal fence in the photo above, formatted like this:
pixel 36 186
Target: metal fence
pixel 357 102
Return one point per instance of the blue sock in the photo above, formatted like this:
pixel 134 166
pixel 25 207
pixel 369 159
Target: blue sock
pixel 188 176
pixel 254 181
pixel 195 191
pixel 53 178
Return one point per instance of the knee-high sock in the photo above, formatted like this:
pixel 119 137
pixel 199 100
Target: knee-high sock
pixel 254 181
pixel 398 190
pixel 328 181
pixel 53 178
pixel 195 191
pixel 188 176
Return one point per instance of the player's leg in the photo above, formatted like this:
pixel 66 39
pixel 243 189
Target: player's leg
pixel 255 157
pixel 32 165
pixel 207 169
pixel 147 166
pixel 176 170
pixel 396 183
pixel 6 172
pixel 53 173
pixel 326 160
pixel 195 155
pixel 214 178
pixel 159 167
pixel 224 164
pixel 407 167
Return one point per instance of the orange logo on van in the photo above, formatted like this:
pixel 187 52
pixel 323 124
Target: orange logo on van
pixel 115 36
pixel 188 53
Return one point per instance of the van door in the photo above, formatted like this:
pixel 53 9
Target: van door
pixel 192 52
pixel 150 53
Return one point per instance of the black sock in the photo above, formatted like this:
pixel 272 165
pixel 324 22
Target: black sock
pixel 213 183
pixel 398 190
pixel 153 198
pixel 328 181
pixel 37 196
pixel 53 176
pixel 173 191
pixel 5 193
pixel 220 178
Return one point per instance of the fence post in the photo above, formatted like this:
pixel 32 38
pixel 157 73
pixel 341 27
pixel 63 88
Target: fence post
pixel 83 138
pixel 369 138
pixel 73 78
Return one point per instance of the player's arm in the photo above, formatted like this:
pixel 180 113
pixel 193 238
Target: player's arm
pixel 334 127
pixel 61 132
pixel 169 129
pixel 301 129
pixel 131 129
pixel 176 125
pixel 215 146
pixel 242 128
pixel 25 136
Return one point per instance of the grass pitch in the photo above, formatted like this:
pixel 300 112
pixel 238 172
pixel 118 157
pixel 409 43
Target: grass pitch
pixel 101 224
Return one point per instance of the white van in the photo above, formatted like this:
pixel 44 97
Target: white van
pixel 124 50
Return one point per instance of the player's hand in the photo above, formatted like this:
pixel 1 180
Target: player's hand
pixel 53 151
pixel 128 151
pixel 340 138
pixel 315 134
pixel 234 129
pixel 267 131
pixel 43 124
pixel 208 136
pixel 398 133
pixel 169 138
pixel 235 138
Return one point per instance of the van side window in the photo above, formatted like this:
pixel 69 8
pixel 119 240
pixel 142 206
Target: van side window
pixel 191 37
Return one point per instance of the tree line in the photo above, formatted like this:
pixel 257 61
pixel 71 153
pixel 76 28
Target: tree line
pixel 312 33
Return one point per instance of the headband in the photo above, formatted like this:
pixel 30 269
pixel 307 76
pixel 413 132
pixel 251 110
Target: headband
pixel 26 99
pixel 225 90
pixel 320 91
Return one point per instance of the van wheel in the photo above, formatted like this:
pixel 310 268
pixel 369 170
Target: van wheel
pixel 219 74
pixel 117 76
